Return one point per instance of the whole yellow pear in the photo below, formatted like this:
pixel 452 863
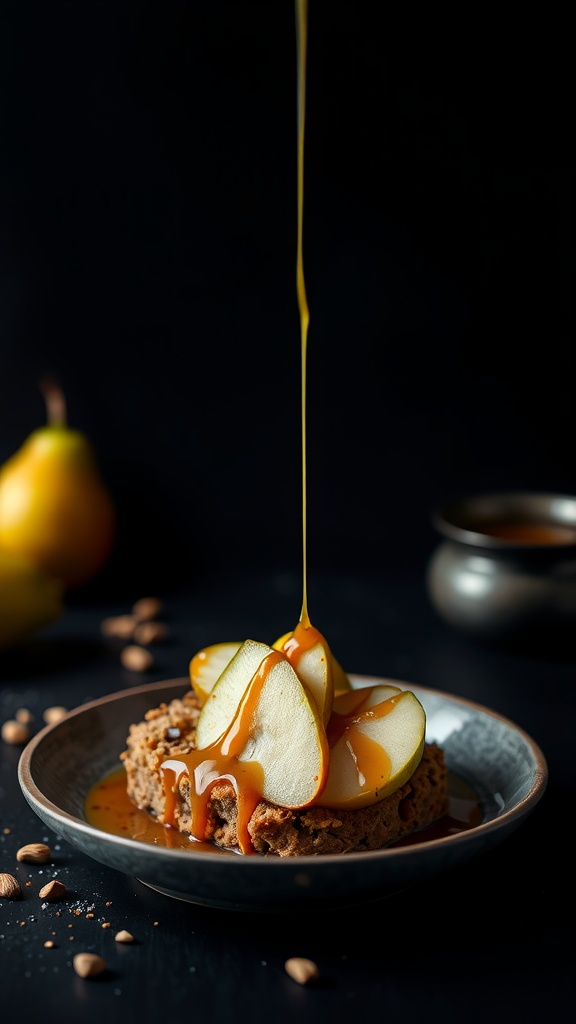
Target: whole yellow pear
pixel 29 600
pixel 54 506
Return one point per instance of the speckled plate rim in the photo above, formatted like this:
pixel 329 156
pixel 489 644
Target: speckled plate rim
pixel 272 883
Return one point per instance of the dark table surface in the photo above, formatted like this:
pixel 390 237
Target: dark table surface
pixel 486 941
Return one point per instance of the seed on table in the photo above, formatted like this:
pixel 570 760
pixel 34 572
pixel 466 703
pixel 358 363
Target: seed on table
pixel 147 608
pixel 150 633
pixel 301 969
pixel 23 715
pixel 15 733
pixel 136 659
pixel 88 965
pixel 124 936
pixel 53 891
pixel 121 626
pixel 34 853
pixel 54 714
pixel 9 886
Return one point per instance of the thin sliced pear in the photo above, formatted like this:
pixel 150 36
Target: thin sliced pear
pixel 340 678
pixel 377 752
pixel 287 738
pixel 207 666
pixel 309 653
pixel 360 700
pixel 314 668
pixel 224 698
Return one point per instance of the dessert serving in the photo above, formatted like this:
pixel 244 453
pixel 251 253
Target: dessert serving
pixel 273 752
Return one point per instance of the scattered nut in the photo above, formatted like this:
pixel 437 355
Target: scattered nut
pixel 124 936
pixel 147 608
pixel 150 633
pixel 49 944
pixel 23 715
pixel 52 891
pixel 88 965
pixel 16 733
pixel 34 853
pixel 136 659
pixel 9 886
pixel 301 969
pixel 121 626
pixel 54 714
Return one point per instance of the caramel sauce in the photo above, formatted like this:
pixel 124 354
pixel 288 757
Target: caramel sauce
pixel 109 809
pixel 220 760
pixel 372 761
pixel 302 47
pixel 531 533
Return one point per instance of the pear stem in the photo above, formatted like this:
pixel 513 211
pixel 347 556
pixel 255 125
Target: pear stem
pixel 55 402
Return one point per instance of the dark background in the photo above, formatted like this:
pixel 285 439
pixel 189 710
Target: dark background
pixel 147 258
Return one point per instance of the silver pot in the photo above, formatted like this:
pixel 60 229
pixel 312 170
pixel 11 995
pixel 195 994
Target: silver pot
pixel 506 564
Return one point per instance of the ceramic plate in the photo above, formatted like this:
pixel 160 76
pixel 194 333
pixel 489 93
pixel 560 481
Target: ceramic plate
pixel 62 762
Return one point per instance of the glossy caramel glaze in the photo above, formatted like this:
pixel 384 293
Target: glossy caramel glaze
pixel 109 808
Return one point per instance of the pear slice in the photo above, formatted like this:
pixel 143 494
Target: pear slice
pixel 309 653
pixel 375 746
pixel 260 711
pixel 224 699
pixel 287 739
pixel 29 600
pixel 340 678
pixel 207 666
pixel 355 702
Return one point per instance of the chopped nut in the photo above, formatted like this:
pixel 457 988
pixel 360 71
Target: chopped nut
pixel 9 886
pixel 49 944
pixel 301 970
pixel 34 853
pixel 52 891
pixel 54 714
pixel 24 716
pixel 121 626
pixel 150 633
pixel 136 659
pixel 88 965
pixel 16 733
pixel 124 936
pixel 147 608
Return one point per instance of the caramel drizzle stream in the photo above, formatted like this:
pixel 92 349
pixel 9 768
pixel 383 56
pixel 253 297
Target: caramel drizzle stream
pixel 302 40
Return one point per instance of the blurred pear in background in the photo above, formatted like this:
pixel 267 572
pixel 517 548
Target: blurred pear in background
pixel 55 509
pixel 29 599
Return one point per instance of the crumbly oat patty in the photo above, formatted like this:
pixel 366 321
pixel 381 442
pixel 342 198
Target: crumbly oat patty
pixel 169 731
